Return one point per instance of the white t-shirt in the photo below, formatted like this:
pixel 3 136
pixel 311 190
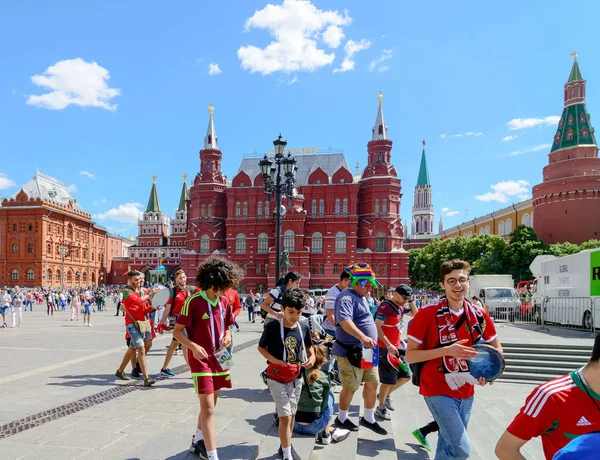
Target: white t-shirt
pixel 310 306
pixel 330 305
pixel 275 294
pixel 5 300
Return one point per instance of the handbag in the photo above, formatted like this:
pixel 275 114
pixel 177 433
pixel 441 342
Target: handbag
pixel 283 373
pixel 353 353
pixel 142 326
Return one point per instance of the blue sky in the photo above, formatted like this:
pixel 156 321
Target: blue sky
pixel 453 73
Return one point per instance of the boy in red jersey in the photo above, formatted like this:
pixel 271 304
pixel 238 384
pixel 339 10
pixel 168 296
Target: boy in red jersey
pixel 179 294
pixel 558 411
pixel 203 327
pixel 439 336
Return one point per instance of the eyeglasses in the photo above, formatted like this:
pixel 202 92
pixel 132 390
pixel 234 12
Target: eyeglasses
pixel 453 281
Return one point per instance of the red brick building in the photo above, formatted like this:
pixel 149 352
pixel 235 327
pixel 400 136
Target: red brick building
pixel 36 224
pixel 566 204
pixel 332 220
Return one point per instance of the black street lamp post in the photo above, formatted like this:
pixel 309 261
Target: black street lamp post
pixel 274 183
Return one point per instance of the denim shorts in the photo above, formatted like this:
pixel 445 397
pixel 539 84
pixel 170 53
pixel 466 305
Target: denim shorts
pixel 137 340
pixel 4 310
pixel 86 310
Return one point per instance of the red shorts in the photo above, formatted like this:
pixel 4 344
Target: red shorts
pixel 208 382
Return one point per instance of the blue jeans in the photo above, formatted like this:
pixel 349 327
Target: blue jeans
pixel 319 424
pixel 452 415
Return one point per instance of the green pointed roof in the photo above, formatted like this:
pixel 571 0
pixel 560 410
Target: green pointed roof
pixel 153 204
pixel 574 124
pixel 423 173
pixel 575 74
pixel 182 198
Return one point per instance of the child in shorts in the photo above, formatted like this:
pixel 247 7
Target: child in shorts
pixel 287 347
pixel 203 328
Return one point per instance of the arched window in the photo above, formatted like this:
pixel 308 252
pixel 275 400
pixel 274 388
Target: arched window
pixel 321 207
pixel 345 207
pixel 288 240
pixel 203 211
pixel 340 243
pixel 69 277
pixel 384 207
pixel 245 209
pixel 487 229
pixel 481 231
pixel 14 275
pixel 30 275
pixel 314 208
pixel 259 210
pixel 379 158
pixel 240 244
pixel 585 133
pixel 84 277
pixel 501 228
pixel 317 243
pixel 49 249
pixel 237 209
pixel 337 207
pixel 263 243
pixel 49 275
pixel 417 225
pixel 557 138
pixel 30 248
pixel 15 248
pixel 582 118
pixel 209 211
pixel 508 227
pixel 569 134
pixel 58 275
pixel 14 227
pixel 570 120
pixel 425 228
pixel 266 209
pixel 380 242
pixel 69 231
pixel 525 219
pixel 380 129
pixel 377 207
pixel 204 244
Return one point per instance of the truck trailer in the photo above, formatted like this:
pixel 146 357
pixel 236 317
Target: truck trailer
pixel 497 294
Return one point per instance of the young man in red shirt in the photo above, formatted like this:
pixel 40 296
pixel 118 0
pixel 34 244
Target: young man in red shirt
pixel 388 320
pixel 203 327
pixel 179 294
pixel 137 308
pixel 440 336
pixel 558 411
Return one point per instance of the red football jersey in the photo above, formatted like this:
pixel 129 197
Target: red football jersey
pixel 558 411
pixel 423 329
pixel 195 316
pixel 178 297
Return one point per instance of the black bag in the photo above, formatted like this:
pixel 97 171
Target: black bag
pixel 353 353
pixel 415 370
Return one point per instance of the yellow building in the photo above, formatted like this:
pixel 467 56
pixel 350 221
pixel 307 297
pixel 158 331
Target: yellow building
pixel 501 222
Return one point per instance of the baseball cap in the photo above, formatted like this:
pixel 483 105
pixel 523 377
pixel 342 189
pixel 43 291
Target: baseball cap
pixel 404 289
pixel 362 272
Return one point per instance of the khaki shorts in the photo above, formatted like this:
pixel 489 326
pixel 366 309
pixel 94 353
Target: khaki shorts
pixel 285 396
pixel 351 377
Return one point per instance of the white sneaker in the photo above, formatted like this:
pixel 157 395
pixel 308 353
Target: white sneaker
pixel 89 325
pixel 339 434
pixel 324 438
pixel 382 413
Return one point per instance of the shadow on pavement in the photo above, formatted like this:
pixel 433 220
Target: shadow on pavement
pixel 238 452
pixel 84 380
pixel 262 424
pixel 247 394
pixel 417 453
pixel 372 448
pixel 180 455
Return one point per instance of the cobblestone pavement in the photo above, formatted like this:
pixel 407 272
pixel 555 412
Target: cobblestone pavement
pixel 52 362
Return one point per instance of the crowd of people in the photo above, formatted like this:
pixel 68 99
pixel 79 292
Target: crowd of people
pixel 350 339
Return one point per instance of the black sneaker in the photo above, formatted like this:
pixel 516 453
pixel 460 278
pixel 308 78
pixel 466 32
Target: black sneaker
pixel 376 427
pixel 136 374
pixel 347 425
pixel 200 449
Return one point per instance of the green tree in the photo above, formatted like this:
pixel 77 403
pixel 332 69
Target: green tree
pixel 524 246
pixel 591 244
pixel 563 249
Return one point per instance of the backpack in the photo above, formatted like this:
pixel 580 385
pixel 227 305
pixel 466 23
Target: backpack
pixel 263 312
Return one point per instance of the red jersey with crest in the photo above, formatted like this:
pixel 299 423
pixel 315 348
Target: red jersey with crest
pixel 178 297
pixel 424 330
pixel 558 411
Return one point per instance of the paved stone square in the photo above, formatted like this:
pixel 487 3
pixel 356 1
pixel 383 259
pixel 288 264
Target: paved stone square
pixel 50 362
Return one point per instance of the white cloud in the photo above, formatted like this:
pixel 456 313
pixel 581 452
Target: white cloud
pixel 333 36
pixel 509 138
pixel 293 80
pixel 5 182
pixel 505 190
pixel 448 213
pixel 468 133
pixel 295 25
pixel 376 63
pixel 128 212
pixel 351 48
pixel 522 123
pixel 74 82
pixel 214 69
pixel 102 201
pixel 72 188
pixel 87 174
pixel 536 148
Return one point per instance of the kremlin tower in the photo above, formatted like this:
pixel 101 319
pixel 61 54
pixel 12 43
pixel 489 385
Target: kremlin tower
pixel 422 212
pixel 566 203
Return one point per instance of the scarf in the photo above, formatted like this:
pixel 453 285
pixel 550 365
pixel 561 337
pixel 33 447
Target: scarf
pixel 456 370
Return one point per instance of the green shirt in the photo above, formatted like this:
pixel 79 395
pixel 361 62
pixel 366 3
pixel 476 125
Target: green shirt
pixel 319 390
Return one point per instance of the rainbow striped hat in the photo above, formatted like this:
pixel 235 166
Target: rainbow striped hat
pixel 362 273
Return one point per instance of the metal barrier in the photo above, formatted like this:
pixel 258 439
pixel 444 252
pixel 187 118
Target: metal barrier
pixel 570 312
pixel 596 314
